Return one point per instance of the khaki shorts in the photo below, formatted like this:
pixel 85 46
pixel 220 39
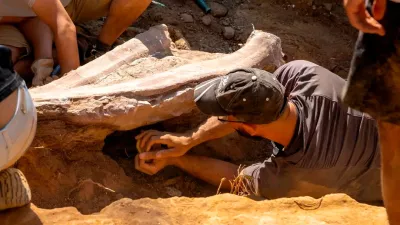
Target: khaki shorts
pixel 11 36
pixel 80 11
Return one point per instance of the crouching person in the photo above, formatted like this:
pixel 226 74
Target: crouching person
pixel 322 146
pixel 17 129
pixel 43 21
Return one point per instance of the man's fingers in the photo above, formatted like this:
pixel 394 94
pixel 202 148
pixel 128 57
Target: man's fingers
pixel 142 166
pixel 148 155
pixel 168 153
pixel 379 9
pixel 366 24
pixel 139 136
pixel 146 137
pixel 156 140
pixel 360 18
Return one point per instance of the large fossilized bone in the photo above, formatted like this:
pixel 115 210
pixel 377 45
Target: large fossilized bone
pixel 80 96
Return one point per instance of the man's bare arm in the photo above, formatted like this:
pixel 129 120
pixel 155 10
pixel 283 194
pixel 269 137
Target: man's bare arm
pixel 179 144
pixel 54 15
pixel 208 169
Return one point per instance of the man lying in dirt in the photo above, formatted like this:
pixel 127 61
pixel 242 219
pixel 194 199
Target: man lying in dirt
pixel 17 130
pixel 42 21
pixel 322 146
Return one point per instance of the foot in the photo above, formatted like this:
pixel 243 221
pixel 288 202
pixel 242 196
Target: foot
pixel 42 69
pixel 14 189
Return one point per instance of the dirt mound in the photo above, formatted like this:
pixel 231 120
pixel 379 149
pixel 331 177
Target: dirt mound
pixel 220 209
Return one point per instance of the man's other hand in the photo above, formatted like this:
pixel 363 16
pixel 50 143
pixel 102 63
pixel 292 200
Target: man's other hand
pixel 178 144
pixel 361 19
pixel 152 167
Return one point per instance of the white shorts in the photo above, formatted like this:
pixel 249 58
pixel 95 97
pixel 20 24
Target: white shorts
pixel 17 135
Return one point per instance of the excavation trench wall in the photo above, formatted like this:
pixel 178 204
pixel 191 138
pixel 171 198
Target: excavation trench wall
pixel 144 83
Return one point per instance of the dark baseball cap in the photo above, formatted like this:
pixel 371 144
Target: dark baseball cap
pixel 250 95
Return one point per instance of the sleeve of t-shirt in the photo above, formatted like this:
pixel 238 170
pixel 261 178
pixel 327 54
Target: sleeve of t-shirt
pixel 290 73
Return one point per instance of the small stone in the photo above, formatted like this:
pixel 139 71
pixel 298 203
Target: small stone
pixel 225 22
pixel 173 192
pixel 172 181
pixel 187 18
pixel 328 6
pixel 182 43
pixel 206 20
pixel 229 32
pixel 218 10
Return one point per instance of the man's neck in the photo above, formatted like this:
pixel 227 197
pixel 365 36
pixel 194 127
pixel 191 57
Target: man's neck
pixel 280 131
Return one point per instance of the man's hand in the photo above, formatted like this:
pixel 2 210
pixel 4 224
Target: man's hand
pixel 362 20
pixel 178 144
pixel 153 167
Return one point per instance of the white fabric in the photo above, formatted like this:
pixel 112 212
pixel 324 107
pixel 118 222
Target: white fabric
pixel 18 134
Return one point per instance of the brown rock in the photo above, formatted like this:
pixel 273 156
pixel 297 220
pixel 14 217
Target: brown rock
pixel 229 33
pixel 328 6
pixel 218 10
pixel 206 20
pixel 187 18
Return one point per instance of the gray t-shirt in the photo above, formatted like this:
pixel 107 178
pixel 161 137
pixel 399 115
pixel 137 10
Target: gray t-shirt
pixel 334 148
pixel 21 8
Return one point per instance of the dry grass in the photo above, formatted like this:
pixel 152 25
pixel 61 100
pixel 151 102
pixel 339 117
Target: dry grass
pixel 240 185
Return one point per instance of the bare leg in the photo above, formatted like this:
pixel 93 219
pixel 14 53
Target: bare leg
pixel 41 38
pixel 390 152
pixel 207 169
pixel 121 15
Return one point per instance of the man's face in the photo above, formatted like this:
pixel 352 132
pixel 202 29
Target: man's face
pixel 250 129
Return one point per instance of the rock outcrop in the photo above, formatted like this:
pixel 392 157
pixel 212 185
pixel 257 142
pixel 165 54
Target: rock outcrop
pixel 220 209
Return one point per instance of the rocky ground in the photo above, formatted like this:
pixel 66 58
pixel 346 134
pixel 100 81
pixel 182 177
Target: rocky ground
pixel 221 209
pixel 315 30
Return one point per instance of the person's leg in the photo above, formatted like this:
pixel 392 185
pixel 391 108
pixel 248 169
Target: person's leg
pixel 390 146
pixel 121 15
pixel 41 38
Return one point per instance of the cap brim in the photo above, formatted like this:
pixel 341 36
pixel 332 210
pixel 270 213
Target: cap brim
pixel 206 100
